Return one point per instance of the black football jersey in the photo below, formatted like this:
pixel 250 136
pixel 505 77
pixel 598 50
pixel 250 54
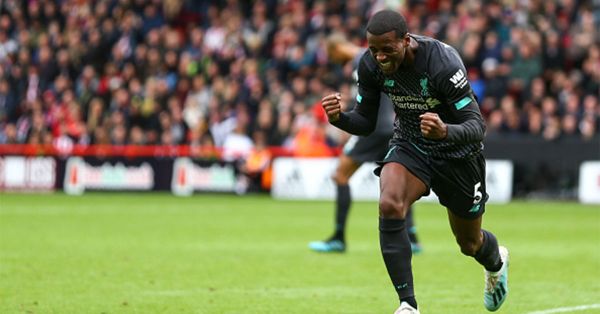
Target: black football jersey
pixel 436 82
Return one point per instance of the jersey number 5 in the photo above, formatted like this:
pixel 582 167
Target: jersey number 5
pixel 477 196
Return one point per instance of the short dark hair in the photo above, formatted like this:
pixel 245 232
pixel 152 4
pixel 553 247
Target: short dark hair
pixel 386 21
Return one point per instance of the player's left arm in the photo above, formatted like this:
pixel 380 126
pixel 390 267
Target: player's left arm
pixel 468 124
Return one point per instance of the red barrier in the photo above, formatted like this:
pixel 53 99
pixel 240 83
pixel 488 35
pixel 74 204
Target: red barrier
pixel 127 151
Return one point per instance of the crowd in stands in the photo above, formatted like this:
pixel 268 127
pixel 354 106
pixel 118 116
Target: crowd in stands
pixel 234 74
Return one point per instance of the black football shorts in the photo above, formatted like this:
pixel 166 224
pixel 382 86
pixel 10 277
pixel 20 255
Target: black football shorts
pixel 459 184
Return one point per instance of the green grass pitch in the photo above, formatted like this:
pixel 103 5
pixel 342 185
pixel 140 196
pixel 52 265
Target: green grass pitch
pixel 156 253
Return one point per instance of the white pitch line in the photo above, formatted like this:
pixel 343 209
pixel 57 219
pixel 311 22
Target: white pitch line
pixel 568 309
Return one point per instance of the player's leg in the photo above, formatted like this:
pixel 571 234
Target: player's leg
pixel 483 246
pixel 399 189
pixel 460 186
pixel 346 168
pixel 344 171
pixel 412 231
pixel 474 241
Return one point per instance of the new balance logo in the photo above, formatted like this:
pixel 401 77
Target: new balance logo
pixel 402 286
pixel 458 79
pixel 475 208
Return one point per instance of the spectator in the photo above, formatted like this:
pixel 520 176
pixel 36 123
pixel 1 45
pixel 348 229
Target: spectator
pixel 237 145
pixel 195 61
pixel 256 166
pixel 136 136
pixel 9 134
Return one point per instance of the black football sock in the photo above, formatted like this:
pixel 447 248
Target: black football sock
pixel 410 300
pixel 489 255
pixel 412 235
pixel 397 255
pixel 342 209
pixel 410 225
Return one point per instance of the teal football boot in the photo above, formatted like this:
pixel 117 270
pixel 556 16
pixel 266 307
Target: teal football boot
pixel 329 246
pixel 496 284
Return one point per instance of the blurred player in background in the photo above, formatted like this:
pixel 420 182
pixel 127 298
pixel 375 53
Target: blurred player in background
pixel 437 144
pixel 358 149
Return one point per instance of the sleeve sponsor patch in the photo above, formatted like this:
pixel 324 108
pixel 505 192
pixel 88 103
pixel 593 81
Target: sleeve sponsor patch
pixel 459 79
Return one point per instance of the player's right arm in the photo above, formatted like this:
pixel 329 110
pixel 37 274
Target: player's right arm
pixel 450 80
pixel 363 118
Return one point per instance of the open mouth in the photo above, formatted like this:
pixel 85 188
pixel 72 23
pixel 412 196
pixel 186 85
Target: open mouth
pixel 386 66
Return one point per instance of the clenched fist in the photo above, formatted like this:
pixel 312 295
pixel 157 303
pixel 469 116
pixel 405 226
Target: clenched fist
pixel 432 127
pixel 332 106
